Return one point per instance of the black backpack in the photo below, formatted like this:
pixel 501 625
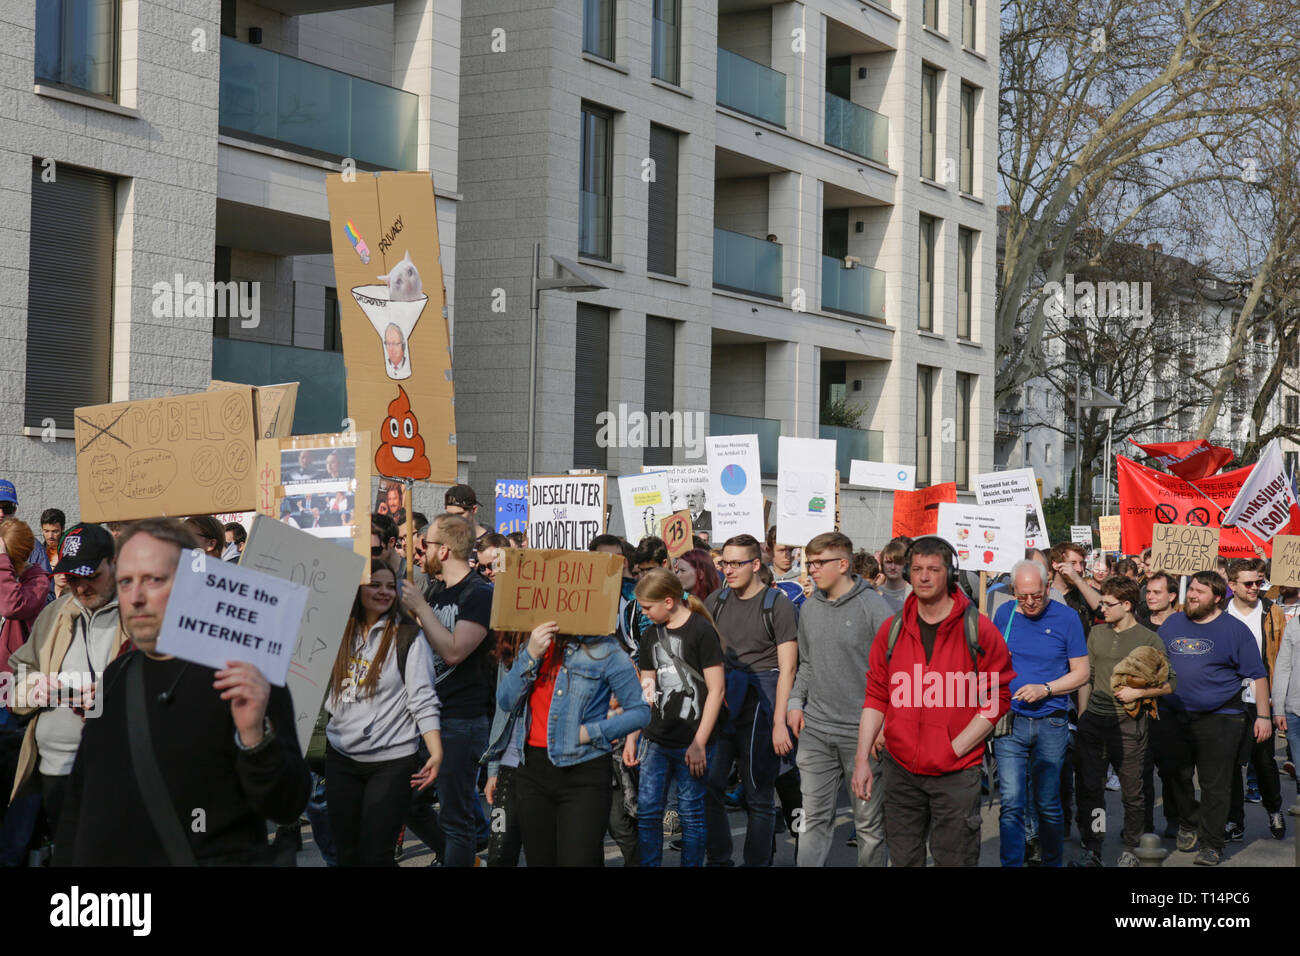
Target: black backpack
pixel 769 617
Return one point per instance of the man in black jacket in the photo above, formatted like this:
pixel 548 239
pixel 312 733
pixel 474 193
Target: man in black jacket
pixel 223 742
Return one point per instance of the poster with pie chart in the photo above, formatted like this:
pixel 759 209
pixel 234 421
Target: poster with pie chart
pixel 735 486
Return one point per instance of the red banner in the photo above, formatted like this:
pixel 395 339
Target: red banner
pixel 916 513
pixel 1192 460
pixel 1147 496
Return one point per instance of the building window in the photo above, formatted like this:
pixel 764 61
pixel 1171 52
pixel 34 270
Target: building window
pixel 333 322
pixel 924 416
pixel 76 45
pixel 666 54
pixel 925 303
pixel 590 385
pixel 661 214
pixel 69 294
pixel 598 28
pixel 965 391
pixel 929 119
pixel 965 281
pixel 1293 356
pixel 931 13
pixel 1293 409
pixel 660 352
pixel 969 11
pixel 967 139
pixel 596 174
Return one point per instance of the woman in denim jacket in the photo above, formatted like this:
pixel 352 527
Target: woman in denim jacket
pixel 559 693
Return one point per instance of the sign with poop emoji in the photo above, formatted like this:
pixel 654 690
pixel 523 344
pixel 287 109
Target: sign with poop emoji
pixel 396 343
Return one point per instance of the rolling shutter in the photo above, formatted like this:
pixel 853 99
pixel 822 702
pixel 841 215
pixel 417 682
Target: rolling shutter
pixel 590 384
pixel 661 232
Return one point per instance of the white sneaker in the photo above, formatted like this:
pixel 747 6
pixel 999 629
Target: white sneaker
pixel 1112 780
pixel 1128 859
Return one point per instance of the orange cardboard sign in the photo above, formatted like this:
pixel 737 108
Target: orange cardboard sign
pixel 916 513
pixel 677 535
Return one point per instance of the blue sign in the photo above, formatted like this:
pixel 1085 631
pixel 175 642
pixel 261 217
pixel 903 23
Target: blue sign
pixel 511 512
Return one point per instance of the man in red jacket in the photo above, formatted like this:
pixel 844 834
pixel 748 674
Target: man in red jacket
pixel 936 707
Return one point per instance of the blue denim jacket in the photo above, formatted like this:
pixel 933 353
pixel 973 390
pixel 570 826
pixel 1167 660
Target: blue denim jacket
pixel 592 670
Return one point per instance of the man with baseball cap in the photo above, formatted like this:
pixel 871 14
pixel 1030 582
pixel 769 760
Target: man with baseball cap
pixel 57 672
pixel 461 500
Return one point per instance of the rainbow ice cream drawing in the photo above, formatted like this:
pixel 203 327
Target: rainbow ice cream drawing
pixel 357 242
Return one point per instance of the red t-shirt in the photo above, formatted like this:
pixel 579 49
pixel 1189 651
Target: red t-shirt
pixel 539 704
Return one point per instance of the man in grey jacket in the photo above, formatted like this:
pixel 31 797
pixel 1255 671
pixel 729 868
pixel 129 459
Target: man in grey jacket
pixel 836 627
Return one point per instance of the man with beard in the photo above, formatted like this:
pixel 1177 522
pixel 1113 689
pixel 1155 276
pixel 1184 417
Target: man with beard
pixel 1213 654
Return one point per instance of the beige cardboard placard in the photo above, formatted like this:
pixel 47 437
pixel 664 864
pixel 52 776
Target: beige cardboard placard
pixel 274 408
pixel 180 455
pixel 1285 568
pixel 1183 549
pixel 676 532
pixel 578 589
pixel 1108 529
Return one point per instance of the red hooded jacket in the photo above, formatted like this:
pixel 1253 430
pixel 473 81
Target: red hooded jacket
pixel 22 598
pixel 926 705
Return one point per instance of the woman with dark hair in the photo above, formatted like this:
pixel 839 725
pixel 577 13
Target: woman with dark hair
pixel 24 588
pixel 696 572
pixel 209 531
pixel 381 701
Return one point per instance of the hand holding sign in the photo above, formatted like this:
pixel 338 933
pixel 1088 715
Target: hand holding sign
pixel 243 685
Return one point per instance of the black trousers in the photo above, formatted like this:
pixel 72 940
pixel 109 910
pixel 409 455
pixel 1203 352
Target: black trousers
pixel 1205 745
pixel 506 840
pixel 563 811
pixel 1259 756
pixel 366 802
pixel 943 810
pixel 53 790
pixel 1118 741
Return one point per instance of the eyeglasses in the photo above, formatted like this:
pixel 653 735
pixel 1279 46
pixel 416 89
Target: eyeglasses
pixel 819 564
pixel 1030 598
pixel 1110 605
pixel 736 565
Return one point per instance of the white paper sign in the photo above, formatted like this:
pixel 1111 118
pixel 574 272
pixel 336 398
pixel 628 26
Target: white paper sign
pixel 880 474
pixel 564 511
pixel 1081 534
pixel 645 500
pixel 689 486
pixel 735 486
pixel 1016 487
pixel 988 538
pixel 330 575
pixel 805 489
pixel 221 612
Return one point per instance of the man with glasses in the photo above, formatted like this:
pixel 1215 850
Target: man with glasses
pixel 836 628
pixel 1107 734
pixel 1050 657
pixel 1267 622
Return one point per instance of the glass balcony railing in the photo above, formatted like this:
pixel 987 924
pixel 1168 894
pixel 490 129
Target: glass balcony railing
pixel 856 291
pixel 768 431
pixel 856 129
pixel 281 99
pixel 746 264
pixel 322 388
pixel 751 87
pixel 851 443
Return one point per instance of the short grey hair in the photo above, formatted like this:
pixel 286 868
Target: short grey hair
pixel 1021 565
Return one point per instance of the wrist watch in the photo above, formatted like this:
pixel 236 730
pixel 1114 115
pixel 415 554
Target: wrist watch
pixel 1049 689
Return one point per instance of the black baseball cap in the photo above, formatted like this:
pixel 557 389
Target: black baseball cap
pixel 83 548
pixel 462 496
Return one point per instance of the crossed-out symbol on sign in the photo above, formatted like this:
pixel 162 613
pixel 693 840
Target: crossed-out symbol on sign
pixel 1200 517
pixel 101 430
pixel 1166 514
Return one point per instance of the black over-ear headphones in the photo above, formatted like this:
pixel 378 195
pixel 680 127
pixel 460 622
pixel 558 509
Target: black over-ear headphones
pixel 949 552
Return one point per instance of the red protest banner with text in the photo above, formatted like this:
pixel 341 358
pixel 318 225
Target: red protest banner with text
pixel 917 512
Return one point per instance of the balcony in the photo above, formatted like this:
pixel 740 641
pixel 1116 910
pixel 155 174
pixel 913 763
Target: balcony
pixel 322 391
pixel 859 291
pixel 856 129
pixel 1009 423
pixel 751 88
pixel 851 443
pixel 745 264
pixel 273 98
pixel 768 431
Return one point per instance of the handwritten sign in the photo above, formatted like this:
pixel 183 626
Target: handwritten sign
pixel 565 511
pixel 988 538
pixel 184 455
pixel 1182 549
pixel 221 612
pixel 1108 528
pixel 676 532
pixel 916 513
pixel 1285 569
pixel 329 576
pixel 511 507
pixel 274 406
pixel 580 590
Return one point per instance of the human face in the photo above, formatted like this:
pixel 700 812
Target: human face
pixel 303 458
pixel 658 611
pixel 146 570
pixel 1246 587
pixel 782 557
pixel 738 567
pixel 393 345
pixel 893 570
pixel 51 533
pixel 485 559
pixel 695 500
pixel 332 465
pixel 827 568
pixel 1114 610
pixel 929 576
pixel 376 546
pixel 1030 594
pixel 686 574
pixel 394 500
pixel 377 597
pixel 1159 597
pixel 230 537
pixel 1099 571
pixel 1201 602
pixel 97 590
pixel 435 552
pixel 645 566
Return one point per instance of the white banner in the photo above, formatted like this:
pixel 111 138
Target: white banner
pixel 805 489
pixel 1016 487
pixel 565 512
pixel 883 475
pixel 1081 534
pixel 645 501
pixel 735 486
pixel 1263 506
pixel 989 538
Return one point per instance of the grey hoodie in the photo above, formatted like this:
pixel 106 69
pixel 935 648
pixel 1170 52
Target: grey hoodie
pixel 834 641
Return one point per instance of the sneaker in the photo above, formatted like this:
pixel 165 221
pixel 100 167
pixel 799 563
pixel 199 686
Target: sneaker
pixel 1208 857
pixel 672 823
pixel 1087 858
pixel 732 798
pixel 1033 853
pixel 1186 839
pixel 1128 859
pixel 1233 831
pixel 1112 780
pixel 1277 825
pixel 1289 769
pixel 1252 795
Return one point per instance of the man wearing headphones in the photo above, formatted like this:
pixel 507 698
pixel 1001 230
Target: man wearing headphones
pixel 942 674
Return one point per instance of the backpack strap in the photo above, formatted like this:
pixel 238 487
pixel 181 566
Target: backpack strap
pixel 769 616
pixel 895 629
pixel 971 622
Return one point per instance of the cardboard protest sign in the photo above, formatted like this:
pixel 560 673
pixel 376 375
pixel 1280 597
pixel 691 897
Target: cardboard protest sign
pixel 1181 549
pixel 221 612
pixel 565 511
pixel 676 533
pixel 645 501
pixel 689 487
pixel 1108 528
pixel 396 342
pixel 510 513
pixel 274 406
pixel 1284 571
pixel 917 512
pixel 879 474
pixel 1016 487
pixel 580 590
pixel 319 484
pixel 987 538
pixel 1081 534
pixel 735 487
pixel 805 489
pixel 181 455
pixel 329 576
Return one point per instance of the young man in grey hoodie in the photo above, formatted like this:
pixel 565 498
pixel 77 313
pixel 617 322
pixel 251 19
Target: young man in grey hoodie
pixel 836 627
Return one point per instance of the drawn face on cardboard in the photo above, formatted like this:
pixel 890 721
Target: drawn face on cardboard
pixel 402 453
pixel 105 474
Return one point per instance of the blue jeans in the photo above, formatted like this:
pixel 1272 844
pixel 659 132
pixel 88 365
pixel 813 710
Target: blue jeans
pixel 660 767
pixel 1030 758
pixel 463 741
pixel 318 817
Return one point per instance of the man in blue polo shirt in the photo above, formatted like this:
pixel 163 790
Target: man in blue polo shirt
pixel 1050 657
pixel 1213 653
